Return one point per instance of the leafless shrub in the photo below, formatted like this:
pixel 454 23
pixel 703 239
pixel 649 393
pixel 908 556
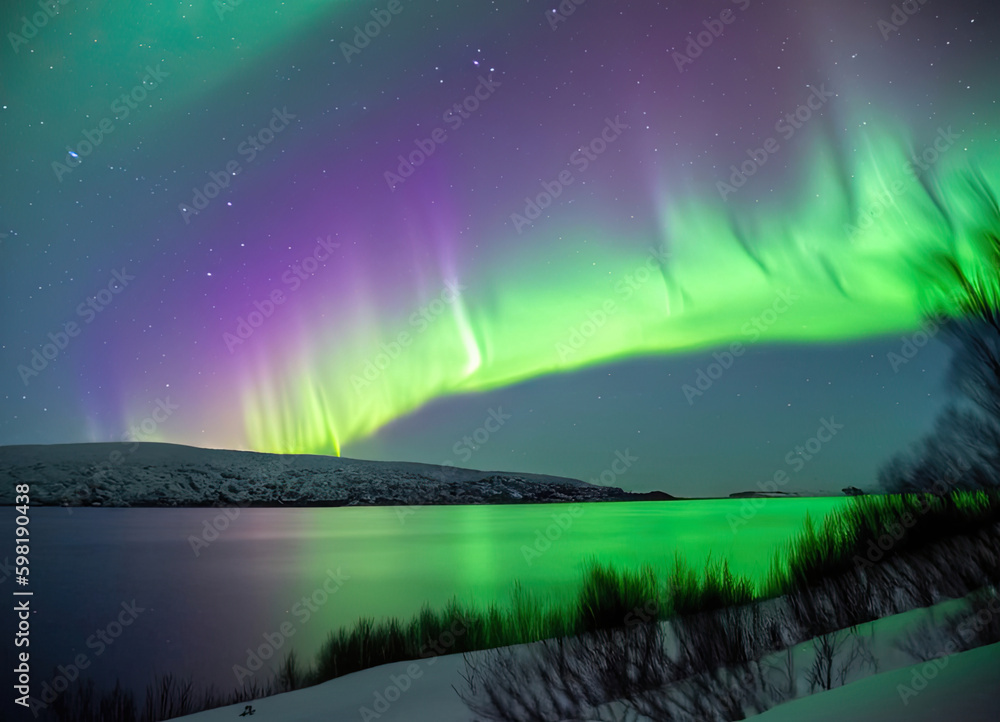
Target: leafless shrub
pixel 976 625
pixel 835 655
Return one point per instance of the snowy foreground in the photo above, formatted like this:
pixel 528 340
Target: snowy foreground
pixel 964 687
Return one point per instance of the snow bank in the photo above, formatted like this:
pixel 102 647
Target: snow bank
pixel 964 686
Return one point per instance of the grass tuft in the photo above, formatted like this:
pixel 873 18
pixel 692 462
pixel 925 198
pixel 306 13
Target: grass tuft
pixel 872 528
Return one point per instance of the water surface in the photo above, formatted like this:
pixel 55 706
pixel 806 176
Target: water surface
pixel 201 612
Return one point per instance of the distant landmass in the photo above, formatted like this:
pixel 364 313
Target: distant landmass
pixel 763 494
pixel 849 491
pixel 154 474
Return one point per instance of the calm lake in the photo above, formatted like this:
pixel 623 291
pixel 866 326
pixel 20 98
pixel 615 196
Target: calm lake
pixel 198 614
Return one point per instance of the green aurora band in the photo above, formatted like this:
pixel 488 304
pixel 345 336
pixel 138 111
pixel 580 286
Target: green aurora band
pixel 850 256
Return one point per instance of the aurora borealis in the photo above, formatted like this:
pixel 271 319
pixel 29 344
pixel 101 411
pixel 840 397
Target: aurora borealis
pixel 358 227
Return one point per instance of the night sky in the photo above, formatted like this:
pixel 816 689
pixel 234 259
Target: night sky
pixel 668 243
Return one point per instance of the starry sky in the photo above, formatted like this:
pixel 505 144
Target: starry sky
pixel 678 246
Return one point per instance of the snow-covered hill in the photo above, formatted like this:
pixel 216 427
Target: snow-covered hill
pixel 153 474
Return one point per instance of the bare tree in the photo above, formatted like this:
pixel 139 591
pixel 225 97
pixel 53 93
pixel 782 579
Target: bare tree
pixel 977 624
pixel 835 655
pixel 968 431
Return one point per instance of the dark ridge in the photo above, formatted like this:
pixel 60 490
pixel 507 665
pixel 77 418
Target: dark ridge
pixel 171 475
